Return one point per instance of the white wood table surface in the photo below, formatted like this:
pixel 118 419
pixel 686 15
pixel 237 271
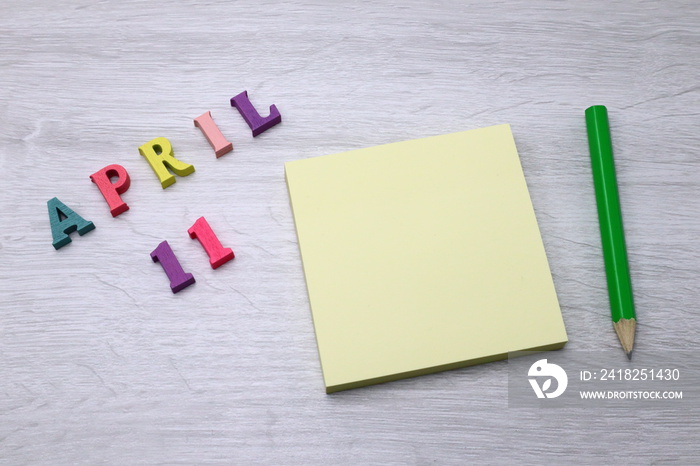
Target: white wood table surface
pixel 101 364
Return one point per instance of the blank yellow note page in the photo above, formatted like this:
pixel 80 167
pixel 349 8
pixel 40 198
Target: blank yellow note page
pixel 422 256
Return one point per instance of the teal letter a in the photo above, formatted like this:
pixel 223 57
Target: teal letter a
pixel 62 228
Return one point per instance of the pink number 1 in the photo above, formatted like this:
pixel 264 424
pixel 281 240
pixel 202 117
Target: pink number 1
pixel 218 255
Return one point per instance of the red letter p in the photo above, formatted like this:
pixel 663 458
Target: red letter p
pixel 111 191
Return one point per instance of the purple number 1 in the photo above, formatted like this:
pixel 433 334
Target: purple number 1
pixel 179 280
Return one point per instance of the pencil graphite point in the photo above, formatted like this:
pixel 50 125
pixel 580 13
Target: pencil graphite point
pixel 625 329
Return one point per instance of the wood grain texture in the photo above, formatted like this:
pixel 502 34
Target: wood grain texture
pixel 101 363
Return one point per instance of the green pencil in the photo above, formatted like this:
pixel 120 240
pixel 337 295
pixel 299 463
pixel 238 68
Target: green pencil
pixel 611 232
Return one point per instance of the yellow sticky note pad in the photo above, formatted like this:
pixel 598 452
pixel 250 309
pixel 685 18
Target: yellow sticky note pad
pixel 422 256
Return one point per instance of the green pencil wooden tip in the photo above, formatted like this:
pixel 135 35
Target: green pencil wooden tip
pixel 625 329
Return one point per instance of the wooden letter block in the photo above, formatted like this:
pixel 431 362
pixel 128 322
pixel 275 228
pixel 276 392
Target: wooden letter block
pixel 218 255
pixel 159 153
pixel 179 280
pixel 64 222
pixel 111 191
pixel 251 116
pixel 217 140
